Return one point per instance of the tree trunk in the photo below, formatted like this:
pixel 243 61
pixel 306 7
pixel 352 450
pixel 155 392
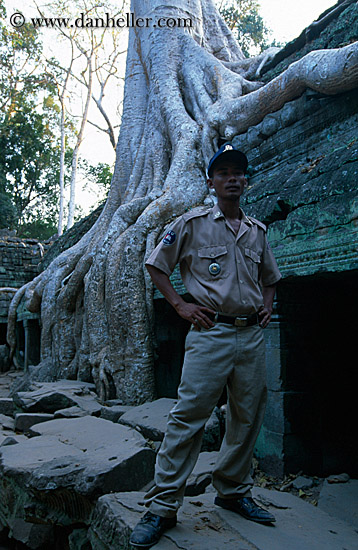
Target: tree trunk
pixel 72 202
pixel 184 88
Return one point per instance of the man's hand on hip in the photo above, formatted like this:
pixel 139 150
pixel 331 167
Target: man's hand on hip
pixel 196 314
pixel 264 317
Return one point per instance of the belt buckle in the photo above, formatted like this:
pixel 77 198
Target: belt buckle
pixel 240 322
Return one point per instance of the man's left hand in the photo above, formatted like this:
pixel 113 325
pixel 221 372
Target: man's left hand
pixel 264 316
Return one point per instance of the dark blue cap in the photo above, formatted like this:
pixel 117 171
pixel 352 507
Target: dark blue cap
pixel 229 153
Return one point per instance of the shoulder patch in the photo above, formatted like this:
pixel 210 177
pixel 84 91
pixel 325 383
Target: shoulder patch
pixel 260 224
pixel 170 237
pixel 196 213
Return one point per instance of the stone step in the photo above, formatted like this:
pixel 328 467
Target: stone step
pixel 202 525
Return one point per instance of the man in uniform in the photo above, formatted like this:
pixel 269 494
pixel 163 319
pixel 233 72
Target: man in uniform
pixel 228 267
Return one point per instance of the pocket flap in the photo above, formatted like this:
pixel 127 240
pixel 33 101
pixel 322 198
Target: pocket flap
pixel 252 254
pixel 212 251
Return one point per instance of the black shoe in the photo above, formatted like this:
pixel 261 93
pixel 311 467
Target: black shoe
pixel 246 507
pixel 149 530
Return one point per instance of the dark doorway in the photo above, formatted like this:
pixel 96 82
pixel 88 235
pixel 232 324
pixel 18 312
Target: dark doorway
pixel 320 326
pixel 170 334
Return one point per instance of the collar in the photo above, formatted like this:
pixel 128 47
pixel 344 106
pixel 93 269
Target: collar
pixel 217 214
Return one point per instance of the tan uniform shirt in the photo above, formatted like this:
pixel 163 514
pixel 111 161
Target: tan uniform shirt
pixel 244 261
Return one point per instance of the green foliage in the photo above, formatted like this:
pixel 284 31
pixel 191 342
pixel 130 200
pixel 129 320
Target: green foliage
pixel 41 229
pixel 29 149
pixel 244 19
pixel 100 175
pixel 7 211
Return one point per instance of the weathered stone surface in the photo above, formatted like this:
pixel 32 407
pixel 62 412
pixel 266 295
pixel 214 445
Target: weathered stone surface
pixel 4 358
pixel 59 474
pixel 78 540
pixel 33 535
pixel 6 422
pixel 203 525
pixel 151 420
pixel 72 412
pixel 211 438
pixel 50 397
pixel 338 478
pixel 9 438
pixel 340 500
pixel 24 421
pixel 198 527
pixel 6 406
pixel 114 413
pixel 200 477
pixel 302 482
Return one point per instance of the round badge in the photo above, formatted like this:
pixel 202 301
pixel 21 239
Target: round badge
pixel 169 237
pixel 214 269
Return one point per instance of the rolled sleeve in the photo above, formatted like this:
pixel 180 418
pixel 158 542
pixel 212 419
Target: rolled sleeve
pixel 167 254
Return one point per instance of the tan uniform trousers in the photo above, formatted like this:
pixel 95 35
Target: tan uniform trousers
pixel 222 355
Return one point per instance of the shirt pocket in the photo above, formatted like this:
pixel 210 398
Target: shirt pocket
pixel 208 257
pixel 253 261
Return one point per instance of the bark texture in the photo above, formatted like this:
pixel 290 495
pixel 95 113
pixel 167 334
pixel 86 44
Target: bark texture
pixel 185 87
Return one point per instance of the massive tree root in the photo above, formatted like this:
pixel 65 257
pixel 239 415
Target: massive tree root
pixel 184 88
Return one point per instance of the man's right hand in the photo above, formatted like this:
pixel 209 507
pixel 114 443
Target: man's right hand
pixel 196 314
pixel 190 312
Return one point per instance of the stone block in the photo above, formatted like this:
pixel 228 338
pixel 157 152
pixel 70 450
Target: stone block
pixel 114 412
pixel 71 412
pixel 150 419
pixel 49 397
pixel 212 434
pixel 302 482
pixel 78 540
pixel 202 525
pixel 275 419
pixel 61 472
pixel 6 406
pixel 4 358
pixel 31 534
pixel 269 449
pixel 198 527
pixel 112 454
pixel 6 422
pixel 24 421
pixel 200 477
pixel 340 500
pixel 11 439
pixel 274 369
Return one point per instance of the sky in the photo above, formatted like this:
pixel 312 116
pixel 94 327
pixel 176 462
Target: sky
pixel 286 19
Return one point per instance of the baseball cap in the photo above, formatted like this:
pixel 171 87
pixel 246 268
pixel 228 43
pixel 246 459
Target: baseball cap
pixel 228 152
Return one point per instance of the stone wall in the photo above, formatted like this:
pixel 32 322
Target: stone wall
pixel 19 261
pixel 19 264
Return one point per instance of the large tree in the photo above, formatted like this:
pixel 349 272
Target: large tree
pixel 185 87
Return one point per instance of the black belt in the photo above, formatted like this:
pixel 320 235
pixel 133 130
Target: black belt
pixel 240 321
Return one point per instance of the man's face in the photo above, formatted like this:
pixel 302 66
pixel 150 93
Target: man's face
pixel 228 180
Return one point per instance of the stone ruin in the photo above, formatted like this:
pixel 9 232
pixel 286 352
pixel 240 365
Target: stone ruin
pixel 19 264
